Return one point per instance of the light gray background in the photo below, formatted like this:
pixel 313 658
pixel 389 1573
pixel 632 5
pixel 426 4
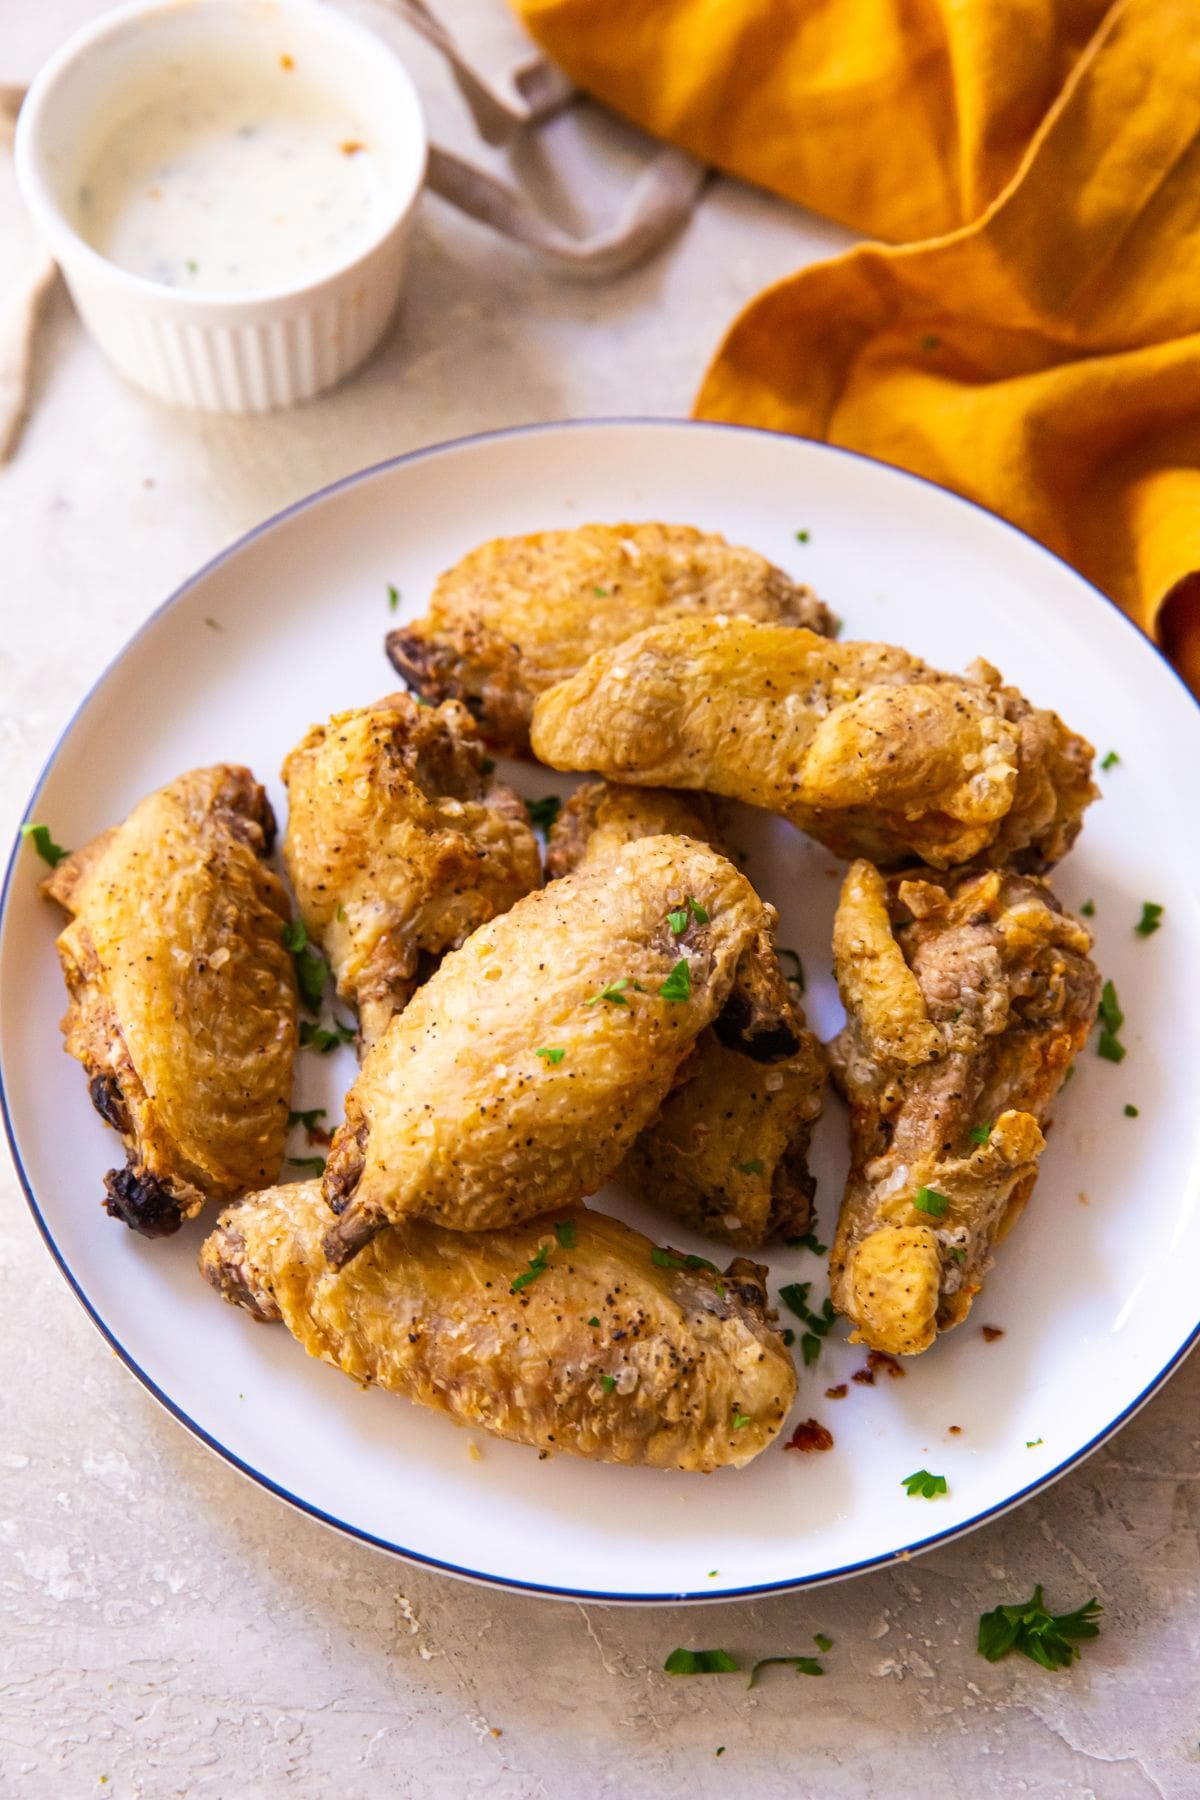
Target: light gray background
pixel 168 1630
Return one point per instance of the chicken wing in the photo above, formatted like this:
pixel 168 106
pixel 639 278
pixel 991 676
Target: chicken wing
pixel 516 1079
pixel 967 1000
pixel 398 845
pixel 562 1333
pixel 183 999
pixel 728 1153
pixel 863 746
pixel 519 614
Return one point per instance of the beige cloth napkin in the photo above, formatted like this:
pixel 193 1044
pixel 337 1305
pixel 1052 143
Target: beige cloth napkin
pixel 513 91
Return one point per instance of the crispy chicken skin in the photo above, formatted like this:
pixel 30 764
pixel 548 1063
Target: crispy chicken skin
pixel 861 745
pixel 677 1357
pixel 519 614
pixel 728 1153
pixel 456 1118
pixel 183 999
pixel 398 845
pixel 967 998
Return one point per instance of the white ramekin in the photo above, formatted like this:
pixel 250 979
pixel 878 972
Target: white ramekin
pixel 245 353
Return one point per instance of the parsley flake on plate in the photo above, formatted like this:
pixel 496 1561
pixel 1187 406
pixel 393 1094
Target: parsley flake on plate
pixel 307 1119
pixel 311 968
pixel 1131 1112
pixel 795 1297
pixel 1050 1639
pixel 740 1420
pixel 594 1320
pixel 551 1054
pixel 701 1662
pixel 1151 918
pixel 608 1383
pixel 538 1263
pixel 680 916
pixel 44 844
pixel 1088 909
pixel 821 1641
pixel 678 985
pixel 754 1167
pixel 928 1200
pixel 315 1165
pixel 923 1486
pixel 1109 761
pixel 807 1242
pixel 566 1233
pixel 614 993
pixel 803 1665
pixel 316 1037
pixel 802 537
pixel 980 1134
pixel 1111 1020
pixel 393 596
pixel 667 1259
pixel 543 812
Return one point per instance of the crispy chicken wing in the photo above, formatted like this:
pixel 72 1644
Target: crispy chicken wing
pixel 728 1153
pixel 600 1352
pixel 861 745
pixel 968 998
pixel 398 845
pixel 519 614
pixel 455 1115
pixel 183 1000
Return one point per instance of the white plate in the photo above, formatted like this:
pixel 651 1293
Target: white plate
pixel 1096 1290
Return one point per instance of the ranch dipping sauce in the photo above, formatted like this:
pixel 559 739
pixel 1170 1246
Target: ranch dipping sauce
pixel 231 176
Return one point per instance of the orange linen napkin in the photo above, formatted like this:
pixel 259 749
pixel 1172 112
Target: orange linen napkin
pixel 1039 350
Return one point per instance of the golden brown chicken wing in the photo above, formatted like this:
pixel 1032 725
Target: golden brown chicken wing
pixel 861 745
pixel 967 998
pixel 398 845
pixel 563 1333
pixel 516 1079
pixel 728 1153
pixel 183 999
pixel 519 614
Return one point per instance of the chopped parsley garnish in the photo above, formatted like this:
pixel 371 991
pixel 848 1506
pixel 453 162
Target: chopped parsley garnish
pixel 191 265
pixel 1088 909
pixel 1111 1020
pixel 924 1486
pixel 614 993
pixel 1131 1112
pixel 793 957
pixel 980 1134
pixel 316 1037
pixel 803 1665
pixel 543 812
pixel 930 341
pixel 810 1348
pixel 667 1259
pixel 740 1420
pixel 807 1242
pixel 538 1264
pixel 307 1119
pixel 594 1321
pixel 1032 1443
pixel 214 624
pixel 1051 1639
pixel 788 1336
pixel 679 916
pixel 551 1054
pixel 754 1167
pixel 821 1641
pixel 314 1164
pixel 44 844
pixel 928 1200
pixel 802 537
pixel 1110 761
pixel 795 1297
pixel 1150 920
pixel 701 1662
pixel 608 1383
pixel 393 596
pixel 600 593
pixel 678 985
pixel 310 966
pixel 488 766
pixel 566 1233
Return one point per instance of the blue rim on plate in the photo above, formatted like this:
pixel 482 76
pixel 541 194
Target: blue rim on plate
pixel 919 1545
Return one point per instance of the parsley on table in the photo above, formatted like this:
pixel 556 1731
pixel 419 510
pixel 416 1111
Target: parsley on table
pixel 538 1263
pixel 1151 918
pixel 608 1383
pixel 310 966
pixel 1050 1639
pixel 543 812
pixel 316 1037
pixel 1110 761
pixel 754 1167
pixel 1131 1112
pixel 807 1242
pixel 614 993
pixel 307 1119
pixel 980 1134
pixel 1088 909
pixel 678 985
pixel 393 596
pixel 314 1164
pixel 924 1486
pixel 928 1200
pixel 803 1665
pixel 566 1233
pixel 551 1054
pixel 44 844
pixel 701 1662
pixel 797 977
pixel 680 916
pixel 802 537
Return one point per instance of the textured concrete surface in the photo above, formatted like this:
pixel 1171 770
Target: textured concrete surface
pixel 168 1630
